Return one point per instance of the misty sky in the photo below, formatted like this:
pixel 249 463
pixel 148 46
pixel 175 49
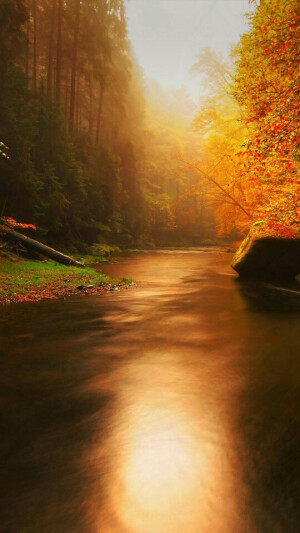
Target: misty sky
pixel 168 34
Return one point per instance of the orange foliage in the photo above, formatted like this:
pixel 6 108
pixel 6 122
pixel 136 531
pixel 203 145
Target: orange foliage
pixel 267 85
pixel 249 126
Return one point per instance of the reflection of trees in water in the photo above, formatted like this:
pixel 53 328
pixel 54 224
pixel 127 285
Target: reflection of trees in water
pixel 261 296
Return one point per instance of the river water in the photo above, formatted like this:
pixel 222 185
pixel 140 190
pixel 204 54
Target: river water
pixel 170 407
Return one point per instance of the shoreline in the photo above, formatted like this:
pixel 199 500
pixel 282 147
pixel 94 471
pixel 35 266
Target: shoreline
pixel 35 281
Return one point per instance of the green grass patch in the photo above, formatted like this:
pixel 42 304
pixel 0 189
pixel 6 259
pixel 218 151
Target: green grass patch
pixel 91 259
pixel 35 280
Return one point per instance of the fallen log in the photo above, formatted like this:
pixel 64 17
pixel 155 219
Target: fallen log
pixel 37 246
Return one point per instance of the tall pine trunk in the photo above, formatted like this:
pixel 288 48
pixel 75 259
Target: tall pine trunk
pixel 27 40
pixel 74 65
pixel 34 66
pixel 99 114
pixel 91 106
pixel 77 104
pixel 58 50
pixel 67 95
pixel 50 49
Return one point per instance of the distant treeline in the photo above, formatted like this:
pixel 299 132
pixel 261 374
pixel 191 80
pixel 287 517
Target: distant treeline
pixel 87 160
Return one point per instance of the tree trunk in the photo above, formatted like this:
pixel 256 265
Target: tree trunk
pixel 34 67
pixel 58 50
pixel 37 246
pixel 74 65
pixel 67 95
pixel 99 112
pixel 27 40
pixel 91 106
pixel 50 50
pixel 211 179
pixel 77 104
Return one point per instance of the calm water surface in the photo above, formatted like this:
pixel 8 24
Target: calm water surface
pixel 171 407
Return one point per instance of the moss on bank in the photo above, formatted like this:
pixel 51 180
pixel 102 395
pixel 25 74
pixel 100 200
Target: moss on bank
pixel 29 280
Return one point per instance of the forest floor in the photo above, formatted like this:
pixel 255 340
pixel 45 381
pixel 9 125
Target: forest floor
pixel 32 281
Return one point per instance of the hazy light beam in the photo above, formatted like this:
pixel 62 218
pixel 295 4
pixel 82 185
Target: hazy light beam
pixel 167 35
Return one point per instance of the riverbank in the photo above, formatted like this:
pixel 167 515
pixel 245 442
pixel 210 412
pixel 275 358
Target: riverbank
pixel 32 281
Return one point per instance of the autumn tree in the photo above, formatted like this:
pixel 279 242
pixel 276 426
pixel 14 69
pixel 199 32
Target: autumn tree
pixel 249 160
pixel 220 133
pixel 267 86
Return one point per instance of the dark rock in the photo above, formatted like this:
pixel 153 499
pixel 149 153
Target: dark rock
pixel 80 287
pixel 262 256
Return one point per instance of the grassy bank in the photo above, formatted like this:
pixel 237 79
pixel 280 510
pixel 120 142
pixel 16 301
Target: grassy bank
pixel 28 280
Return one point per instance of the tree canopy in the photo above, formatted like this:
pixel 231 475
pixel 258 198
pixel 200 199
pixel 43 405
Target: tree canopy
pixel 249 124
pixel 87 144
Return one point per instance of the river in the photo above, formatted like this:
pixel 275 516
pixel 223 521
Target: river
pixel 170 407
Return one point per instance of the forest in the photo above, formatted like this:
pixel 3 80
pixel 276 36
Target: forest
pixel 93 152
pixel 149 266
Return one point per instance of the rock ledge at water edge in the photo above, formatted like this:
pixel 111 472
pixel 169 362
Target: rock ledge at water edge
pixel 266 257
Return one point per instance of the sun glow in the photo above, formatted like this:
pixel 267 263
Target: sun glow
pixel 168 468
pixel 159 473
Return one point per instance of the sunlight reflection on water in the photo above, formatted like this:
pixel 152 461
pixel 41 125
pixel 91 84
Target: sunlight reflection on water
pixel 171 470
pixel 167 408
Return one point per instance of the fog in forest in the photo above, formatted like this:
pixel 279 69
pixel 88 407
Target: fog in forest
pixel 148 123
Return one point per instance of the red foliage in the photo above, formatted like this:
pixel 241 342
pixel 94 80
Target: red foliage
pixel 52 291
pixel 279 229
pixel 267 87
pixel 12 223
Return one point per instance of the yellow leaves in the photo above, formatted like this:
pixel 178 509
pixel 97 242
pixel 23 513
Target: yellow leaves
pixel 250 145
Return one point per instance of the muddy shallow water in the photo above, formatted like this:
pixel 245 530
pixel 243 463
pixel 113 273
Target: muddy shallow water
pixel 170 407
